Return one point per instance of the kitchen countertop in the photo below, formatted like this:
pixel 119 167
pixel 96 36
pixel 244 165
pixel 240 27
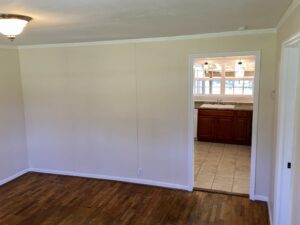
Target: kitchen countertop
pixel 238 106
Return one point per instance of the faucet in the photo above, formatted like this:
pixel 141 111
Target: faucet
pixel 219 101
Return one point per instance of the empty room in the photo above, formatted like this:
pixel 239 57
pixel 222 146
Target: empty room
pixel 147 112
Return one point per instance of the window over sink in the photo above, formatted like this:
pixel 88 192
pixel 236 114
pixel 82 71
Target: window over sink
pixel 224 78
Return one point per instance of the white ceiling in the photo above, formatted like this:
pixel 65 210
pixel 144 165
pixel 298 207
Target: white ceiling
pixel 66 21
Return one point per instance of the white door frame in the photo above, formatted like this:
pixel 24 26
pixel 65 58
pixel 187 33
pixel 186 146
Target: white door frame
pixel 280 163
pixel 192 57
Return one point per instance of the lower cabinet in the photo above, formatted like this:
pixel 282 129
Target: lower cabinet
pixel 224 126
pixel 207 122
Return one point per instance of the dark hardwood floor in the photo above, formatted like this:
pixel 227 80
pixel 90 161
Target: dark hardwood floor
pixel 42 199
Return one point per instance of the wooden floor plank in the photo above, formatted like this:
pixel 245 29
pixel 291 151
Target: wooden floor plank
pixel 43 199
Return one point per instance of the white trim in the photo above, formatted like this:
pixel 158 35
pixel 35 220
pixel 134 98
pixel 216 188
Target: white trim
pixel 291 41
pixel 8 179
pixel 190 118
pixel 255 125
pixel 278 163
pixel 255 113
pixel 8 47
pixel 265 199
pixel 261 198
pixel 112 178
pixel 156 39
pixel 287 13
pixel 270 213
pixel 279 150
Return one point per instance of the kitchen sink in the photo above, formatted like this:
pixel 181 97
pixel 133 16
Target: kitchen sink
pixel 217 106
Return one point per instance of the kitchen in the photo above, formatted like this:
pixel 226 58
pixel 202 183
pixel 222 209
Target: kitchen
pixel 223 121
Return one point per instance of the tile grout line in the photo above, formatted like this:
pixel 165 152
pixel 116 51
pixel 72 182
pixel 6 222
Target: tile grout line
pixel 222 153
pixel 219 161
pixel 215 174
pixel 234 174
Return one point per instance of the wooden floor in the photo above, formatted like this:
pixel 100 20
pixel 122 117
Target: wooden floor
pixel 41 199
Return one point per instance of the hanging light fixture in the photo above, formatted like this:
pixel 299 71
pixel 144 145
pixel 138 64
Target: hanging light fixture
pixel 239 69
pixel 12 25
pixel 205 66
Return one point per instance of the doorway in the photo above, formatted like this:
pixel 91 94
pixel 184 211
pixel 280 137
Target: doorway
pixel 287 105
pixel 223 156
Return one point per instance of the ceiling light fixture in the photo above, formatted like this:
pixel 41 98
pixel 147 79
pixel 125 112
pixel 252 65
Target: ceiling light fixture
pixel 205 66
pixel 12 25
pixel 239 69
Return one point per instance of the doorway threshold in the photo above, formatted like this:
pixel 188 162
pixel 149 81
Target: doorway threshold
pixel 221 192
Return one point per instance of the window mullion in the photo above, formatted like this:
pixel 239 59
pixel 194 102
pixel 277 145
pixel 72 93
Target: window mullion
pixel 223 80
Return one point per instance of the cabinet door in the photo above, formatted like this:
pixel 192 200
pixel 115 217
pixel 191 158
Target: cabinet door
pixel 249 129
pixel 205 128
pixel 224 129
pixel 243 127
pixel 241 130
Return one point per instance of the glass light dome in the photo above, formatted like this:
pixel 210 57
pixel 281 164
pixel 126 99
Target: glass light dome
pixel 12 25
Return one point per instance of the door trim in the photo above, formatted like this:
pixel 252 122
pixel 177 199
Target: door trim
pixel 279 134
pixel 254 121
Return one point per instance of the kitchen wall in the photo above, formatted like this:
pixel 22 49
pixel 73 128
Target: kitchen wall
pixel 121 110
pixel 286 30
pixel 13 155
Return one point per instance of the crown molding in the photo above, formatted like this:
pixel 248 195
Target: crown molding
pixel 8 47
pixel 288 12
pixel 157 39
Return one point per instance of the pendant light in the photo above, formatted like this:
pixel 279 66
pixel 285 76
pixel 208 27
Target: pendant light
pixel 239 69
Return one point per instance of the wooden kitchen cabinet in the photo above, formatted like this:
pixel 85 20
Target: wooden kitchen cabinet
pixel 207 122
pixel 224 126
pixel 223 129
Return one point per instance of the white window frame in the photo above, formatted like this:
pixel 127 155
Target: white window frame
pixel 223 96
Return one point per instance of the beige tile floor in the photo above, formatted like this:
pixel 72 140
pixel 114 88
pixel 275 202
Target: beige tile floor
pixel 222 167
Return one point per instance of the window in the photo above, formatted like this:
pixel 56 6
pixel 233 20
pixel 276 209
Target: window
pixel 225 77
pixel 239 87
pixel 208 82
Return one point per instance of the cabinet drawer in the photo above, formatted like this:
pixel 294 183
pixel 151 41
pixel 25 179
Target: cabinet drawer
pixel 215 112
pixel 243 113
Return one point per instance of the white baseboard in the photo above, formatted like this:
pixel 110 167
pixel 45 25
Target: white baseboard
pixel 261 198
pixel 270 213
pixel 97 176
pixel 8 179
pixel 113 178
pixel 265 199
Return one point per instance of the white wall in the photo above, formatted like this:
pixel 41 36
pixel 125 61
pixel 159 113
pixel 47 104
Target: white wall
pixel 13 155
pixel 111 109
pixel 81 109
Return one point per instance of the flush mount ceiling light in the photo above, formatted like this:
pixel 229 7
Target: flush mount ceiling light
pixel 12 25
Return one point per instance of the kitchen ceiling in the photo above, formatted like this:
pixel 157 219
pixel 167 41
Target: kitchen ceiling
pixel 67 21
